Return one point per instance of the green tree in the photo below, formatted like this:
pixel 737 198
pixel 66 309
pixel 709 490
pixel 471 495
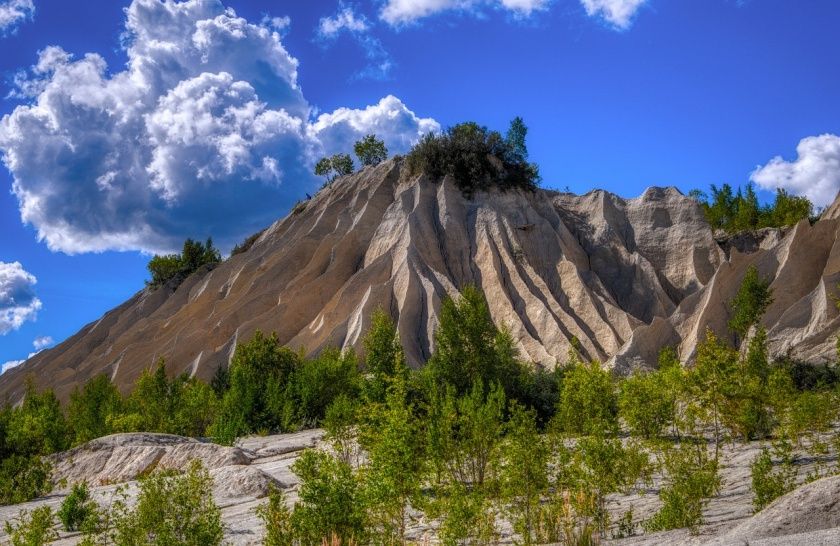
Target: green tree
pixel 524 471
pixel 712 379
pixel 78 509
pixel 647 403
pixel 768 480
pixel 749 304
pixel 177 267
pixel 330 502
pixel 38 427
pixel 33 528
pixel 394 474
pixel 339 427
pixel 91 406
pixel 277 518
pixel 788 210
pixel 750 413
pixel 334 167
pixel 515 139
pixel 469 348
pixel 384 357
pixel 170 511
pixel 370 150
pixel 588 401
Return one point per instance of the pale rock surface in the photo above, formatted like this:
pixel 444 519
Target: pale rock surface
pixel 623 276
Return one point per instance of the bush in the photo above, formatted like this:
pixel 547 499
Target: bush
pixel 90 407
pixel 171 510
pixel 749 304
pixel 588 402
pixel 23 477
pixel 370 150
pixel 647 403
pixel 78 509
pixel 477 159
pixel 177 267
pixel 33 528
pixel 768 482
pixel 277 519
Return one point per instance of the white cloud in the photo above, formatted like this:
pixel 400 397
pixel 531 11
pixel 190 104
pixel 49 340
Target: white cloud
pixel 13 13
pixel 379 62
pixel 618 13
pixel 42 342
pixel 17 297
pixel 815 173
pixel 9 365
pixel 345 19
pixel 391 120
pixel 205 133
pixel 401 12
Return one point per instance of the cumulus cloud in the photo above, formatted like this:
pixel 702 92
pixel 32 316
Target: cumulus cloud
pixel 17 297
pixel 205 133
pixel 401 12
pixel 617 13
pixel 815 173
pixel 13 13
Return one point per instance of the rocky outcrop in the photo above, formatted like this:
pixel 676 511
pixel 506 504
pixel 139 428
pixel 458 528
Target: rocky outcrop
pixel 622 276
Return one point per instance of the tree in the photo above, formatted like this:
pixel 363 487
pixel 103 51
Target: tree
pixel 277 518
pixel 713 378
pixel 469 348
pixel 78 509
pixel 384 357
pixel 749 304
pixel 177 267
pixel 768 481
pixel 524 471
pixel 370 150
pixel 394 474
pixel 646 403
pixel 330 502
pixel 90 408
pixel 588 402
pixel 515 139
pixel 170 510
pixel 334 166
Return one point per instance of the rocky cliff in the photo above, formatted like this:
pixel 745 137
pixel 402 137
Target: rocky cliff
pixel 623 276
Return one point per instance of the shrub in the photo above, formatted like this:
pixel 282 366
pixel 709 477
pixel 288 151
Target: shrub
pixel 647 403
pixel 769 482
pixel 78 509
pixel 476 158
pixel 588 402
pixel 23 477
pixel 384 357
pixel 177 267
pixel 691 478
pixel 370 150
pixel 277 518
pixel 753 297
pixel 90 407
pixel 33 528
pixel 171 510
pixel 330 500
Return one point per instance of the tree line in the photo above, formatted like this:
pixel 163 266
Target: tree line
pixel 739 210
pixel 473 438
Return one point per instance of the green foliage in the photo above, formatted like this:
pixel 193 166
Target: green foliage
pixel 170 511
pixel 246 245
pixel 470 349
pixel 588 402
pixel 90 407
pixel 393 475
pixel 750 411
pixel 277 518
pixel 769 481
pixel 733 211
pixel 371 150
pixel 712 381
pixel 753 297
pixel 339 429
pixel 330 502
pixel 477 158
pixel 33 528
pixel 177 267
pixel 524 472
pixel 23 477
pixel 334 166
pixel 467 516
pixel 691 478
pixel 647 402
pixel 78 509
pixel 384 357
pixel 38 427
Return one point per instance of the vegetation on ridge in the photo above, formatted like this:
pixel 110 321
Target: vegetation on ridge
pixel 177 267
pixel 734 211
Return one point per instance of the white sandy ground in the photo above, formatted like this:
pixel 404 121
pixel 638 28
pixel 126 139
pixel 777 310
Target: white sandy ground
pixel 808 516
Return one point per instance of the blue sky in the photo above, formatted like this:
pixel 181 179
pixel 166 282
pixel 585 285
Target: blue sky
pixel 215 134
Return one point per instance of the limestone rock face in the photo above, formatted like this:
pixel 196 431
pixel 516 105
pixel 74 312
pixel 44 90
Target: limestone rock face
pixel 623 276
